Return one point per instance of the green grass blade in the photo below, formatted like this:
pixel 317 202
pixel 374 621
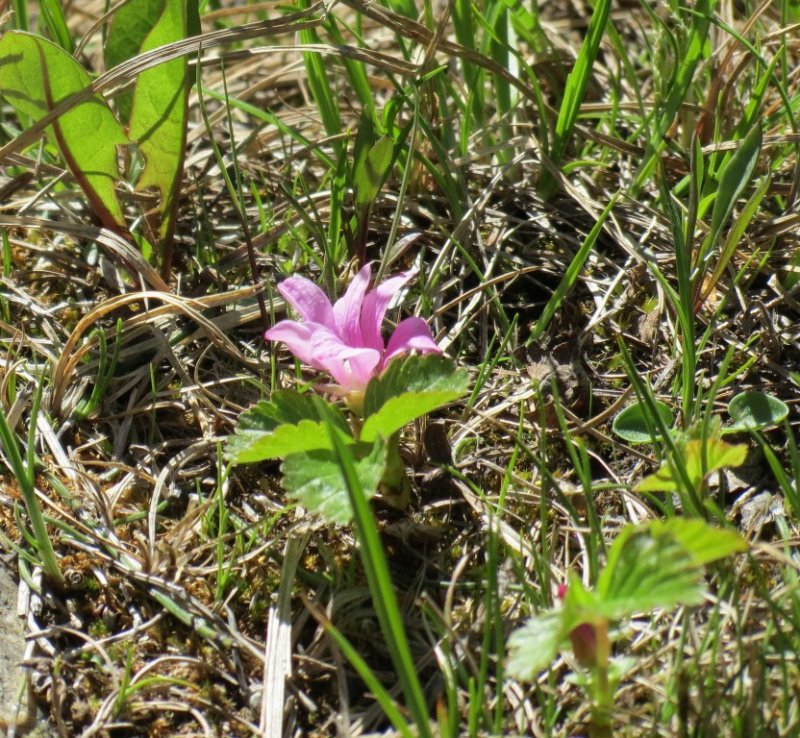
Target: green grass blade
pixel 575 89
pixel 382 590
pixel 572 273
pixel 52 17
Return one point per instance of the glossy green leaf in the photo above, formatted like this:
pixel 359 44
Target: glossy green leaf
pixel 754 410
pixel 289 423
pixel 631 423
pixel 35 76
pixel 701 459
pixel 316 480
pixel 156 112
pixel 409 389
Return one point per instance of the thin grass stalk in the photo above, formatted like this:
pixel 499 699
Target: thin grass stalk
pixel 25 473
pixel 380 585
pixel 574 91
pixel 21 18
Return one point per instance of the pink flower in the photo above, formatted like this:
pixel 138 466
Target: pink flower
pixel 345 339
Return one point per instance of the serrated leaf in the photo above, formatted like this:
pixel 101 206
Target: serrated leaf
pixel 35 76
pixel 660 564
pixel 718 455
pixel 157 110
pixel 288 423
pixel 631 423
pixel 315 479
pixel 754 410
pixel 407 390
pixel 533 646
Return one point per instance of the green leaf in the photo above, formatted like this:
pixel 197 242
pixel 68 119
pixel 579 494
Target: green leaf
pixel 36 75
pixel 282 442
pixel 533 646
pixel 157 111
pixel 369 178
pixel 702 458
pixel 289 423
pixel 409 389
pixel 660 564
pixel 754 410
pixel 734 178
pixel 631 423
pixel 315 479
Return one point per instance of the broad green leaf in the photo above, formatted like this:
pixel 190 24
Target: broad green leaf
pixel 660 564
pixel 130 26
pixel 288 423
pixel 631 423
pixel 158 110
pixel 533 646
pixel 754 410
pixel 315 479
pixel 35 76
pixel 409 389
pixel 701 458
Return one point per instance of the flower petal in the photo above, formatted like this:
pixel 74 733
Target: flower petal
pixel 310 302
pixel 297 336
pixel 411 334
pixel 347 310
pixel 375 306
pixel 352 367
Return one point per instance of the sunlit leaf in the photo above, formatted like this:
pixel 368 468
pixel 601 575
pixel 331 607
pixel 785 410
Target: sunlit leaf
pixel 660 564
pixel 156 111
pixel 315 479
pixel 289 423
pixel 369 177
pixel 533 646
pixel 409 389
pixel 35 76
pixel 701 458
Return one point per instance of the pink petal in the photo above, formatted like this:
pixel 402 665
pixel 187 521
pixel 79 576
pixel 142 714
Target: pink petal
pixel 352 367
pixel 308 300
pixel 347 310
pixel 411 334
pixel 375 306
pixel 297 336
